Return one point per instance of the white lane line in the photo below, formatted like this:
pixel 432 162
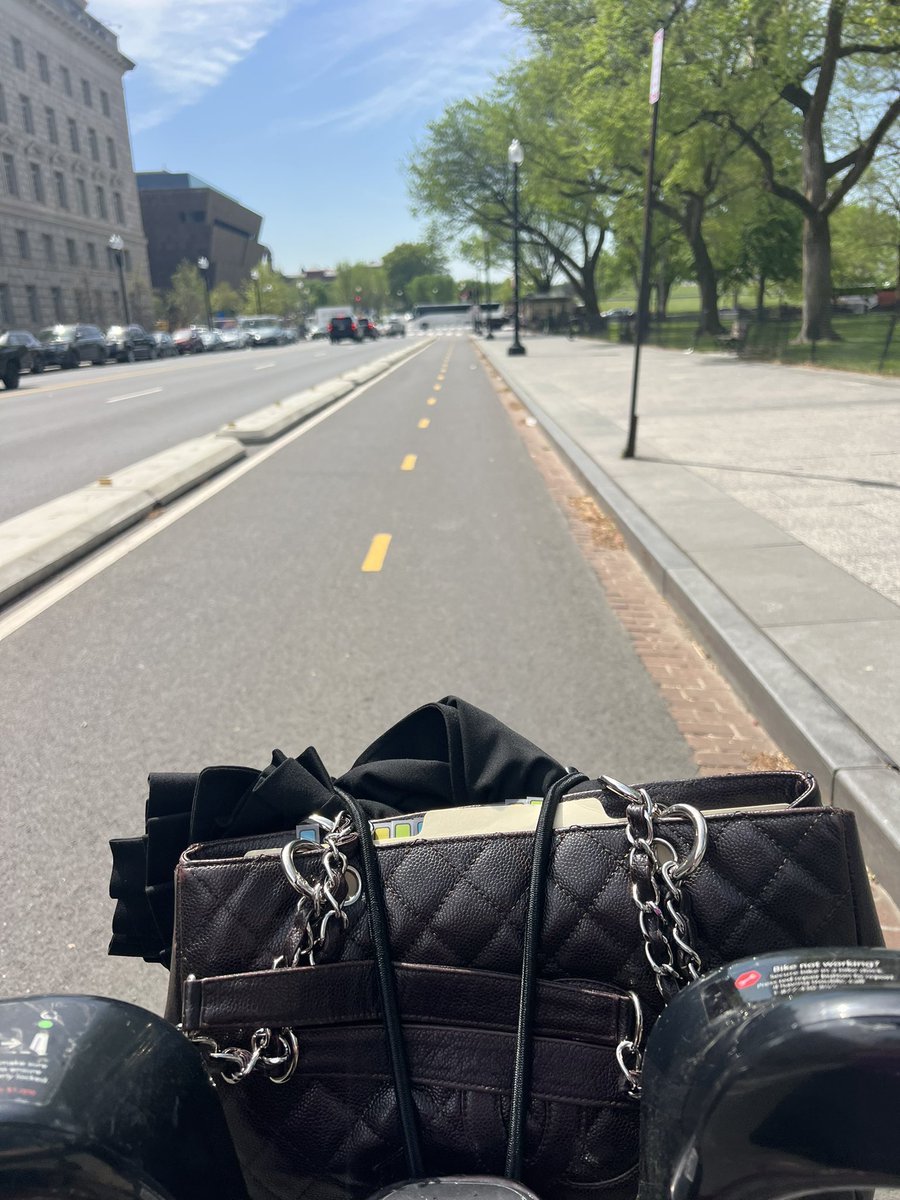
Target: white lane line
pixel 33 605
pixel 264 367
pixel 134 395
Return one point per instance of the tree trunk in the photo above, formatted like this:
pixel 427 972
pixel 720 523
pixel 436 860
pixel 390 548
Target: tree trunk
pixel 589 296
pixel 816 324
pixel 761 298
pixel 703 268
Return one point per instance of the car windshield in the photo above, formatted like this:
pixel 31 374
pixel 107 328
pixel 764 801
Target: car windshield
pixel 57 333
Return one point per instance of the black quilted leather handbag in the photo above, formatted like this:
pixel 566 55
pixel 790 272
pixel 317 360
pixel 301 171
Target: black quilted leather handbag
pixel 465 1003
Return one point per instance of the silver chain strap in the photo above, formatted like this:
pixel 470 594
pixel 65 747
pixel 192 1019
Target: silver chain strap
pixel 323 902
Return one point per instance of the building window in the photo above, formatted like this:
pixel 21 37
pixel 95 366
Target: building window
pixel 74 140
pixel 34 307
pixel 43 67
pixel 111 153
pixel 9 174
pixel 72 252
pixel 101 202
pixel 27 116
pixel 56 296
pixel 92 254
pixel 6 309
pixel 4 115
pixel 86 93
pixel 82 197
pixel 49 248
pixel 95 148
pixel 24 247
pixel 52 131
pixel 104 102
pixel 66 80
pixel 18 53
pixel 62 192
pixel 37 183
pixel 117 203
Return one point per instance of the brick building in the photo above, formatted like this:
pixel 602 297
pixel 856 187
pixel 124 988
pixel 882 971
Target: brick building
pixel 186 218
pixel 66 175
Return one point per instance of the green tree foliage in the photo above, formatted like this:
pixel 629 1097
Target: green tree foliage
pixel 432 289
pixel 407 261
pixel 368 281
pixel 225 299
pixel 186 298
pixel 864 241
pixel 272 293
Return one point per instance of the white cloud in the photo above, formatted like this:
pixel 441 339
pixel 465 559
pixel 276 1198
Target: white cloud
pixel 187 47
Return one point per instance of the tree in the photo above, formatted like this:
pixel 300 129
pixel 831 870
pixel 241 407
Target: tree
pixel 271 293
pixel 187 296
pixel 864 241
pixel 225 299
pixel 364 285
pixel 833 68
pixel 432 289
pixel 408 260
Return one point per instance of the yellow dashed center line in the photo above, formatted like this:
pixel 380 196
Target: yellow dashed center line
pixel 374 560
pixel 424 423
pixel 437 387
pixel 409 463
pixel 432 399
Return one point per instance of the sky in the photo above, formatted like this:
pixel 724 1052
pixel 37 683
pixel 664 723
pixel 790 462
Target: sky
pixel 304 110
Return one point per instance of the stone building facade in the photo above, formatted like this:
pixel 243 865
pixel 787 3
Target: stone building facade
pixel 66 175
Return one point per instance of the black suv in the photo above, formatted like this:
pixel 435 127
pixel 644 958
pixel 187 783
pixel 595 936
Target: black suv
pixel 343 329
pixel 70 345
pixel 125 343
pixel 32 356
pixel 367 329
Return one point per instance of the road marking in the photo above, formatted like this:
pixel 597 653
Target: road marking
pixel 424 423
pixel 409 463
pixel 432 400
pixel 374 560
pixel 134 395
pixel 25 610
pixel 264 367
pixel 437 387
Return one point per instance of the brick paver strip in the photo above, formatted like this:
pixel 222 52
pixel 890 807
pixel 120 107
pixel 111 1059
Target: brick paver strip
pixel 724 737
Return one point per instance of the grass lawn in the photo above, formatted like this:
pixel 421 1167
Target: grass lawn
pixel 861 348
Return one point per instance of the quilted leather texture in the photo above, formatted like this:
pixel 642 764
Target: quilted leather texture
pixel 769 880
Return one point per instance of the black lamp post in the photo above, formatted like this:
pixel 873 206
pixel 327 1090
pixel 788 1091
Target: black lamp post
pixel 117 245
pixel 254 275
pixel 203 264
pixel 516 157
pixel 487 284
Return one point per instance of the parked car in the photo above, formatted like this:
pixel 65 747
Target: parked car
pixel 316 332
pixel 188 341
pixel 264 331
pixel 126 343
pixel 165 345
pixel 70 345
pixel 343 329
pixel 32 356
pixel 234 338
pixel 618 314
pixel 366 328
pixel 211 338
pixel 9 366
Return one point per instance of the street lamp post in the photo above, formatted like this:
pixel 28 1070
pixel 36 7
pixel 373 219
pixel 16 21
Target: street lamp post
pixel 254 275
pixel 516 157
pixel 487 283
pixel 117 245
pixel 203 264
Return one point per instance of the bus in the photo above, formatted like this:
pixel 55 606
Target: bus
pixel 438 316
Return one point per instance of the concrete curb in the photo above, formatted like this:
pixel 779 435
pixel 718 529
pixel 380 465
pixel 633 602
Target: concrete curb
pixel 269 423
pixel 853 773
pixel 38 543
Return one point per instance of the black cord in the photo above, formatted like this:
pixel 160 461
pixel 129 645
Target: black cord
pixel 521 1084
pixel 387 984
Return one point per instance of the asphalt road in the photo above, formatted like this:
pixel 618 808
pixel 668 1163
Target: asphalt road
pixel 63 429
pixel 242 619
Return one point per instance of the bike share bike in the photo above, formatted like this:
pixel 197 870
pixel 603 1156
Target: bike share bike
pixel 377 991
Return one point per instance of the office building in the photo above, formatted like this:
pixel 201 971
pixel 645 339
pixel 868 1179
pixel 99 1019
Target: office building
pixel 66 176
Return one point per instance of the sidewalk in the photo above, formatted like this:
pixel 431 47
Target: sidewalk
pixel 764 502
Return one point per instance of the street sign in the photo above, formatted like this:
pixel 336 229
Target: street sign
pixel 656 67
